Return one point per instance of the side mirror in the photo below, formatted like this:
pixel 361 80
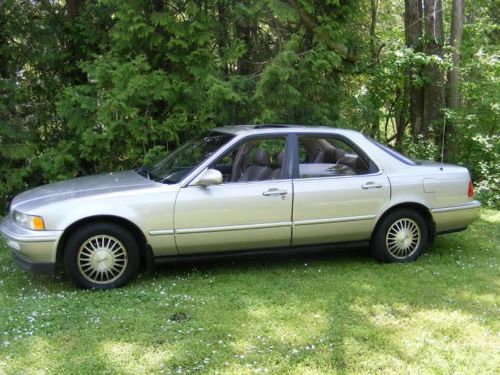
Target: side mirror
pixel 210 177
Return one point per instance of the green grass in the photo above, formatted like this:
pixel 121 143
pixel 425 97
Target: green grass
pixel 330 313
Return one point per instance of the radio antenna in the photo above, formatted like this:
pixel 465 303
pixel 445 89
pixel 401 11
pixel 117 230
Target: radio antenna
pixel 442 142
pixel 444 129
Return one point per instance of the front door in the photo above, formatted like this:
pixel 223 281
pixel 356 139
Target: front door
pixel 251 209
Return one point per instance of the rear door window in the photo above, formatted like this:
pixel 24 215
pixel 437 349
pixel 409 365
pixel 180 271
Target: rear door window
pixel 329 157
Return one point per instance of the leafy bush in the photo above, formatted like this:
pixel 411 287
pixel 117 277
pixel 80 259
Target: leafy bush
pixel 486 169
pixel 422 148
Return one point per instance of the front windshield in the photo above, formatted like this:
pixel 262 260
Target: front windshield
pixel 184 159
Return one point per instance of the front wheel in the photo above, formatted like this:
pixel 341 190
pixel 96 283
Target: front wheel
pixel 400 237
pixel 101 256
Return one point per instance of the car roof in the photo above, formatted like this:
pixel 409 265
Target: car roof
pixel 280 128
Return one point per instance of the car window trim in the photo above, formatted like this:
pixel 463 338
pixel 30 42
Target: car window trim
pixel 240 184
pixel 333 177
pixel 235 142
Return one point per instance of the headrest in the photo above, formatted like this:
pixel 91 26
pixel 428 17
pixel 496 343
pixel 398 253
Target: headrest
pixel 332 155
pixel 340 154
pixel 261 157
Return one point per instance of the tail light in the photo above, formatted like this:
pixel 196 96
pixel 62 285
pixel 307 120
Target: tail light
pixel 470 192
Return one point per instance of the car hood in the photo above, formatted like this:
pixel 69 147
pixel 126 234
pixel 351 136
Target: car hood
pixel 80 187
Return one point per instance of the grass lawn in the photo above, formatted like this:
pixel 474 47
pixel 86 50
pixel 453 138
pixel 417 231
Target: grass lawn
pixel 328 313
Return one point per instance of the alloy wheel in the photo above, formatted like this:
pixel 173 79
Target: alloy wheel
pixel 403 238
pixel 102 259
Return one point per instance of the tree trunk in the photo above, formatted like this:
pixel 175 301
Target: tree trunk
pixel 373 27
pixel 74 8
pixel 433 87
pixel 413 36
pixel 400 115
pixel 73 47
pixel 373 51
pixel 457 22
pixel 453 90
pixel 246 30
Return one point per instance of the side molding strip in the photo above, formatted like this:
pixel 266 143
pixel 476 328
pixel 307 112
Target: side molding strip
pixel 161 232
pixel 234 227
pixel 259 226
pixel 473 205
pixel 334 220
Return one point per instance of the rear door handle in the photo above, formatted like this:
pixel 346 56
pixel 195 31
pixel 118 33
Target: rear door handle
pixel 371 185
pixel 272 192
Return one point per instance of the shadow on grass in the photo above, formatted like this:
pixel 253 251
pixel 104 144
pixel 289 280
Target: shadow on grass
pixel 256 261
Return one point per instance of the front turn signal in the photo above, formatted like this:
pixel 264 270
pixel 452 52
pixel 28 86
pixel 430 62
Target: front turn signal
pixel 37 223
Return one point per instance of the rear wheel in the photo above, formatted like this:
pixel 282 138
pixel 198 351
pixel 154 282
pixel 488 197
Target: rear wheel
pixel 101 256
pixel 401 236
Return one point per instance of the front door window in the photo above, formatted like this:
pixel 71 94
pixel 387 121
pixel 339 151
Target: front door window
pixel 256 160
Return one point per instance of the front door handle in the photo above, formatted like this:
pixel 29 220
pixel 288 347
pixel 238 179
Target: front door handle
pixel 371 185
pixel 272 192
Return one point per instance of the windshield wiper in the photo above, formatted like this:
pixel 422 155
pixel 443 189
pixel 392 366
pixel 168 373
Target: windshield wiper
pixel 168 181
pixel 146 172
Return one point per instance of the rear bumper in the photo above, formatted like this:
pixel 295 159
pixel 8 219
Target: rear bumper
pixel 33 251
pixel 450 219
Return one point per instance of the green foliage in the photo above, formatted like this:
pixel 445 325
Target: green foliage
pixel 112 84
pixel 422 148
pixel 113 115
pixel 477 131
pixel 481 158
pixel 297 97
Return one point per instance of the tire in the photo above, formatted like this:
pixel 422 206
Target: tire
pixel 101 256
pixel 400 237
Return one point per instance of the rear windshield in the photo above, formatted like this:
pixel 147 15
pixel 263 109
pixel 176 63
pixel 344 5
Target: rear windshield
pixel 393 153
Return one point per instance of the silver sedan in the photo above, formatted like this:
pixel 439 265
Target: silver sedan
pixel 240 189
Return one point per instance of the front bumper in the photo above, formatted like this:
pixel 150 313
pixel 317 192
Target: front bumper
pixel 33 251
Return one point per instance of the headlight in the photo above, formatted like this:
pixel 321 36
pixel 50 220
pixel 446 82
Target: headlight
pixel 29 221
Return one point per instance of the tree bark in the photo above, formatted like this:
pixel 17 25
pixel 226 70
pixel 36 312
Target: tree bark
pixel 373 27
pixel 222 30
pixel 434 83
pixel 453 84
pixel 74 8
pixel 413 35
pixel 457 22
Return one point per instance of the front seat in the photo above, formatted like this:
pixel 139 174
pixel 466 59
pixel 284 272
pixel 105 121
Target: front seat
pixel 258 168
pixel 277 172
pixel 333 155
pixel 317 157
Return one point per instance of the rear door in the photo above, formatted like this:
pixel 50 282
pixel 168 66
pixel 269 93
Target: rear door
pixel 338 191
